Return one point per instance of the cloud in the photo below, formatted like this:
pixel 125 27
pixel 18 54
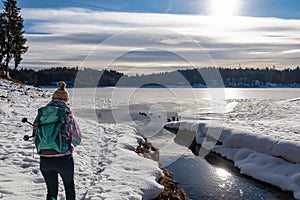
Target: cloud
pixel 82 37
pixel 291 51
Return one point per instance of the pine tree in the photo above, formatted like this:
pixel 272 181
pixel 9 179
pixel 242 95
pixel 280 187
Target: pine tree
pixel 2 38
pixel 13 41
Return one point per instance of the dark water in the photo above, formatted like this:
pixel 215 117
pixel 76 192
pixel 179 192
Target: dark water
pixel 214 178
pixel 201 180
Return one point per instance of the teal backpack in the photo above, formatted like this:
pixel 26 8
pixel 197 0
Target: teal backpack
pixel 51 135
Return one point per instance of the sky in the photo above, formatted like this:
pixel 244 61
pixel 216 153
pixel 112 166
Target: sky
pixel 135 36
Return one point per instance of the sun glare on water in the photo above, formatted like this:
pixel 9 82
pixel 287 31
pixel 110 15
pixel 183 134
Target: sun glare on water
pixel 222 173
pixel 224 8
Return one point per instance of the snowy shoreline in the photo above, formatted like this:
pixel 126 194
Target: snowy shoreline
pixel 261 137
pixel 105 165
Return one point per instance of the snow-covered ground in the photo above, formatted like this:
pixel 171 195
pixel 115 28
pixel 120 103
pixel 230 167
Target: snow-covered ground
pixel 261 137
pixel 105 165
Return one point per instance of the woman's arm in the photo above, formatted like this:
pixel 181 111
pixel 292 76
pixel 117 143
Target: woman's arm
pixel 73 129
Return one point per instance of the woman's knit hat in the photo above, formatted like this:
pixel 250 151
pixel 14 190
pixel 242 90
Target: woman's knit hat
pixel 61 93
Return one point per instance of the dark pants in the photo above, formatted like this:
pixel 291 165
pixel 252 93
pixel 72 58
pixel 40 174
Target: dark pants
pixel 51 167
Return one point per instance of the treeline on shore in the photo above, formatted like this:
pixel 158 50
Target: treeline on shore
pixel 232 77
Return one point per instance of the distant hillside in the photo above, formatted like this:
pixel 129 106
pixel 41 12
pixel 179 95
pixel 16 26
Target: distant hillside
pixel 248 77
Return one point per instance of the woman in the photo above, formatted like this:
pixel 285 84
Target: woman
pixel 57 160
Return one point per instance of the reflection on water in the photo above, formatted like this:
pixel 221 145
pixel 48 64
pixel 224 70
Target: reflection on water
pixel 202 180
pixel 262 93
pixel 222 173
pixel 212 177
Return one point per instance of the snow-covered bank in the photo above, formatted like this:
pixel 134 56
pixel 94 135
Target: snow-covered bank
pixel 105 164
pixel 109 167
pixel 261 137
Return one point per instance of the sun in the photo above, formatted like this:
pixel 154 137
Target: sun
pixel 224 8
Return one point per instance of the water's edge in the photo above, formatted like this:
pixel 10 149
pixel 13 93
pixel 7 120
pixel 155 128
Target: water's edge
pixel 217 160
pixel 172 189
